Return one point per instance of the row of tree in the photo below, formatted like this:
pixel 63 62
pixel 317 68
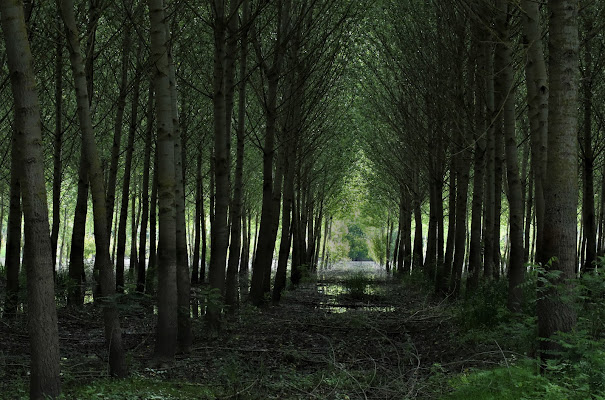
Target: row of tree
pixel 481 117
pixel 212 97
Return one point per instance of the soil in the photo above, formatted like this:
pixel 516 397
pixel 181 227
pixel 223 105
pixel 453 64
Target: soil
pixel 322 341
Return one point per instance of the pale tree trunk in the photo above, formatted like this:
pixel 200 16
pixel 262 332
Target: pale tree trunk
pixel 145 192
pixel 185 336
pixel 561 180
pixel 45 379
pixel 113 333
pixel 537 100
pixel 505 93
pixel 166 339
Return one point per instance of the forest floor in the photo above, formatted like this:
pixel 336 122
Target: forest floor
pixel 352 333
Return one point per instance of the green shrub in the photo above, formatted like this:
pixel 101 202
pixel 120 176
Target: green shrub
pixel 356 285
pixel 516 382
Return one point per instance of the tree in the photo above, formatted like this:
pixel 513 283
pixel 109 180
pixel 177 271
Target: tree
pixel 555 313
pixel 166 340
pixel 45 378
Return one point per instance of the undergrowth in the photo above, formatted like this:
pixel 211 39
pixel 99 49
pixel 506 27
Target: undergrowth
pixel 576 371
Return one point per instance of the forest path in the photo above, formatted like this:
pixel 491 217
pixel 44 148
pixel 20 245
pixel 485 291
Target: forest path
pixel 329 339
pixel 352 333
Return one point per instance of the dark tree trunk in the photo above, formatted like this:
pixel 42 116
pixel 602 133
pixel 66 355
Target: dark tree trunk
pixel 145 192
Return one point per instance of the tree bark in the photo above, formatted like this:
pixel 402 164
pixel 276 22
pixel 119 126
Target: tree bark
pixel 13 237
pixel 145 192
pixel 45 381
pixel 236 204
pixel 505 100
pixel 185 336
pixel 537 100
pixel 117 143
pixel 166 340
pixel 57 144
pixel 561 180
pixel 220 229
pixel 121 250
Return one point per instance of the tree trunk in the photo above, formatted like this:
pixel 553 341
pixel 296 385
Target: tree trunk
pixel 145 192
pixel 117 143
pixel 220 229
pixel 197 221
pixel 13 236
pixel 166 340
pixel 286 233
pixel 537 99
pixel 185 336
pixel 151 276
pixel 45 381
pixel 505 100
pixel 236 205
pixel 57 143
pixel 417 263
pixel 75 295
pixel 561 180
pixel 588 197
pixel 121 251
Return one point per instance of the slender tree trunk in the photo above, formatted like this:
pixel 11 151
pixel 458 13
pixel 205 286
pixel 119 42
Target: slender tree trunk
pixel 505 100
pixel 121 251
pixel 561 180
pixel 151 276
pixel 220 229
pixel 588 202
pixel 236 205
pixel 166 340
pixel 430 260
pixel 537 99
pixel 117 143
pixel 13 237
pixel 286 233
pixel 145 192
pixel 204 246
pixel 451 227
pixel 247 235
pixel 417 263
pixel 75 295
pixel 197 221
pixel 57 143
pixel 185 336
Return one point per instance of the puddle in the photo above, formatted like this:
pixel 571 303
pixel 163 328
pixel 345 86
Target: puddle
pixel 343 308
